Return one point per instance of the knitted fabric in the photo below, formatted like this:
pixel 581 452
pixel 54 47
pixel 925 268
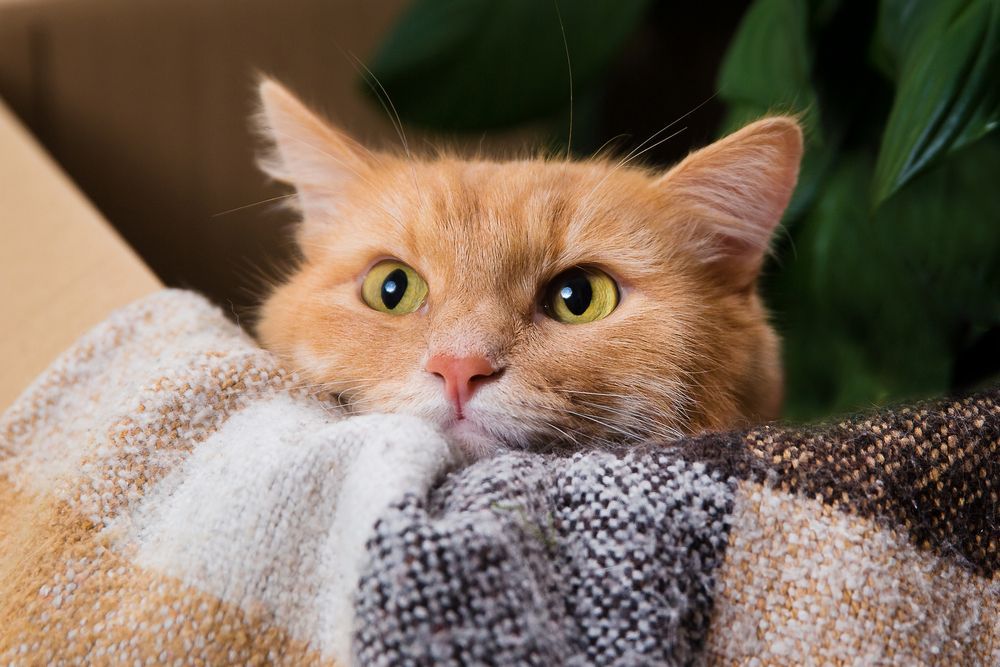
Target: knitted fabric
pixel 596 560
pixel 168 497
pixel 874 541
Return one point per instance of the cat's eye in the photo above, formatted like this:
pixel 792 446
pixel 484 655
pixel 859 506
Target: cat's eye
pixel 393 287
pixel 581 295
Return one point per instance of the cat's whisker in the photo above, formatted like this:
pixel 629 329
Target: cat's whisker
pixel 648 419
pixel 640 413
pixel 652 146
pixel 356 402
pixel 594 393
pixel 624 161
pixel 621 412
pixel 531 414
pixel 348 391
pixel 570 437
pixel 252 204
pixel 331 410
pixel 368 76
pixel 342 394
pixel 569 68
pixel 300 370
pixel 576 438
pixel 607 144
pixel 666 127
pixel 605 424
pixel 345 393
pixel 639 149
pixel 352 385
pixel 329 384
pixel 394 118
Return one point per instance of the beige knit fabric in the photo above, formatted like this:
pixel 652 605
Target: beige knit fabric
pixel 804 582
pixel 167 497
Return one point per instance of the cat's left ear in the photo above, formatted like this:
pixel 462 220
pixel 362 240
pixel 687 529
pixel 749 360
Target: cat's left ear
pixel 734 192
pixel 307 152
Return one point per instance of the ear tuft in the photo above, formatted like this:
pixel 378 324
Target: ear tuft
pixel 737 189
pixel 304 150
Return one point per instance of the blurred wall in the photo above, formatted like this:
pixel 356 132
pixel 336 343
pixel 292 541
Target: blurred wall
pixel 145 104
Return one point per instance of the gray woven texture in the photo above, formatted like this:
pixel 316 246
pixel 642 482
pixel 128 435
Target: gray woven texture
pixel 594 559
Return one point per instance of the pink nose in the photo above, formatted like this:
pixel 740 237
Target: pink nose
pixel 461 375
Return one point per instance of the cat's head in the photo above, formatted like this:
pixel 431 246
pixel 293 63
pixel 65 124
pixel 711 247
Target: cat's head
pixel 531 303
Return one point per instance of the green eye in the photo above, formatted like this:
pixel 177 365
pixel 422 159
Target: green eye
pixel 393 287
pixel 581 295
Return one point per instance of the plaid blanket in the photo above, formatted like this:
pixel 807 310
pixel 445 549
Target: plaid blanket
pixel 167 496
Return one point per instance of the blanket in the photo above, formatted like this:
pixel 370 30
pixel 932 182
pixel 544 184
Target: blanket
pixel 169 495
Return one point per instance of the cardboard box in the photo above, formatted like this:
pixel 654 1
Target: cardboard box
pixel 146 103
pixel 62 266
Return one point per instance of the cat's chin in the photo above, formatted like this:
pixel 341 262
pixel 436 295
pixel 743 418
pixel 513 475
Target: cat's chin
pixel 473 441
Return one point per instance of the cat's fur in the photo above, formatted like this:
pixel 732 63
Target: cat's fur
pixel 689 347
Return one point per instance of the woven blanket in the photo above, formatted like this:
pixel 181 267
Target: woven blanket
pixel 167 496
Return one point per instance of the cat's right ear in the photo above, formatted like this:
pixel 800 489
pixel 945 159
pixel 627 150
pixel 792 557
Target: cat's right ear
pixel 735 192
pixel 307 152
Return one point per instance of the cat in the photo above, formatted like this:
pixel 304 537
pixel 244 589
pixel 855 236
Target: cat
pixel 536 303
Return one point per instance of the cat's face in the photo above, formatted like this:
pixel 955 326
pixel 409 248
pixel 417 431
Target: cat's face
pixel 532 303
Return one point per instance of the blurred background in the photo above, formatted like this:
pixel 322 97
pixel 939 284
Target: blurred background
pixel 885 283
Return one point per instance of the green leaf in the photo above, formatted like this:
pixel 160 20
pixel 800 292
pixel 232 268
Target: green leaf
pixel 879 306
pixel 767 70
pixel 948 93
pixel 474 65
pixel 884 303
pixel 905 25
pixel 841 302
pixel 767 66
pixel 944 227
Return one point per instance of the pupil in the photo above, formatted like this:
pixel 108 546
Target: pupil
pixel 393 288
pixel 576 293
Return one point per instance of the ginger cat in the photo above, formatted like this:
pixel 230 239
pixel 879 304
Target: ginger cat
pixel 532 303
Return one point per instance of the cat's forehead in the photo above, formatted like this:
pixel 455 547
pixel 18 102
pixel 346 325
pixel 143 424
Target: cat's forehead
pixel 528 216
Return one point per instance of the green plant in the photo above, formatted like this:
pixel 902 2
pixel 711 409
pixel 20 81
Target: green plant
pixel 462 65
pixel 886 282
